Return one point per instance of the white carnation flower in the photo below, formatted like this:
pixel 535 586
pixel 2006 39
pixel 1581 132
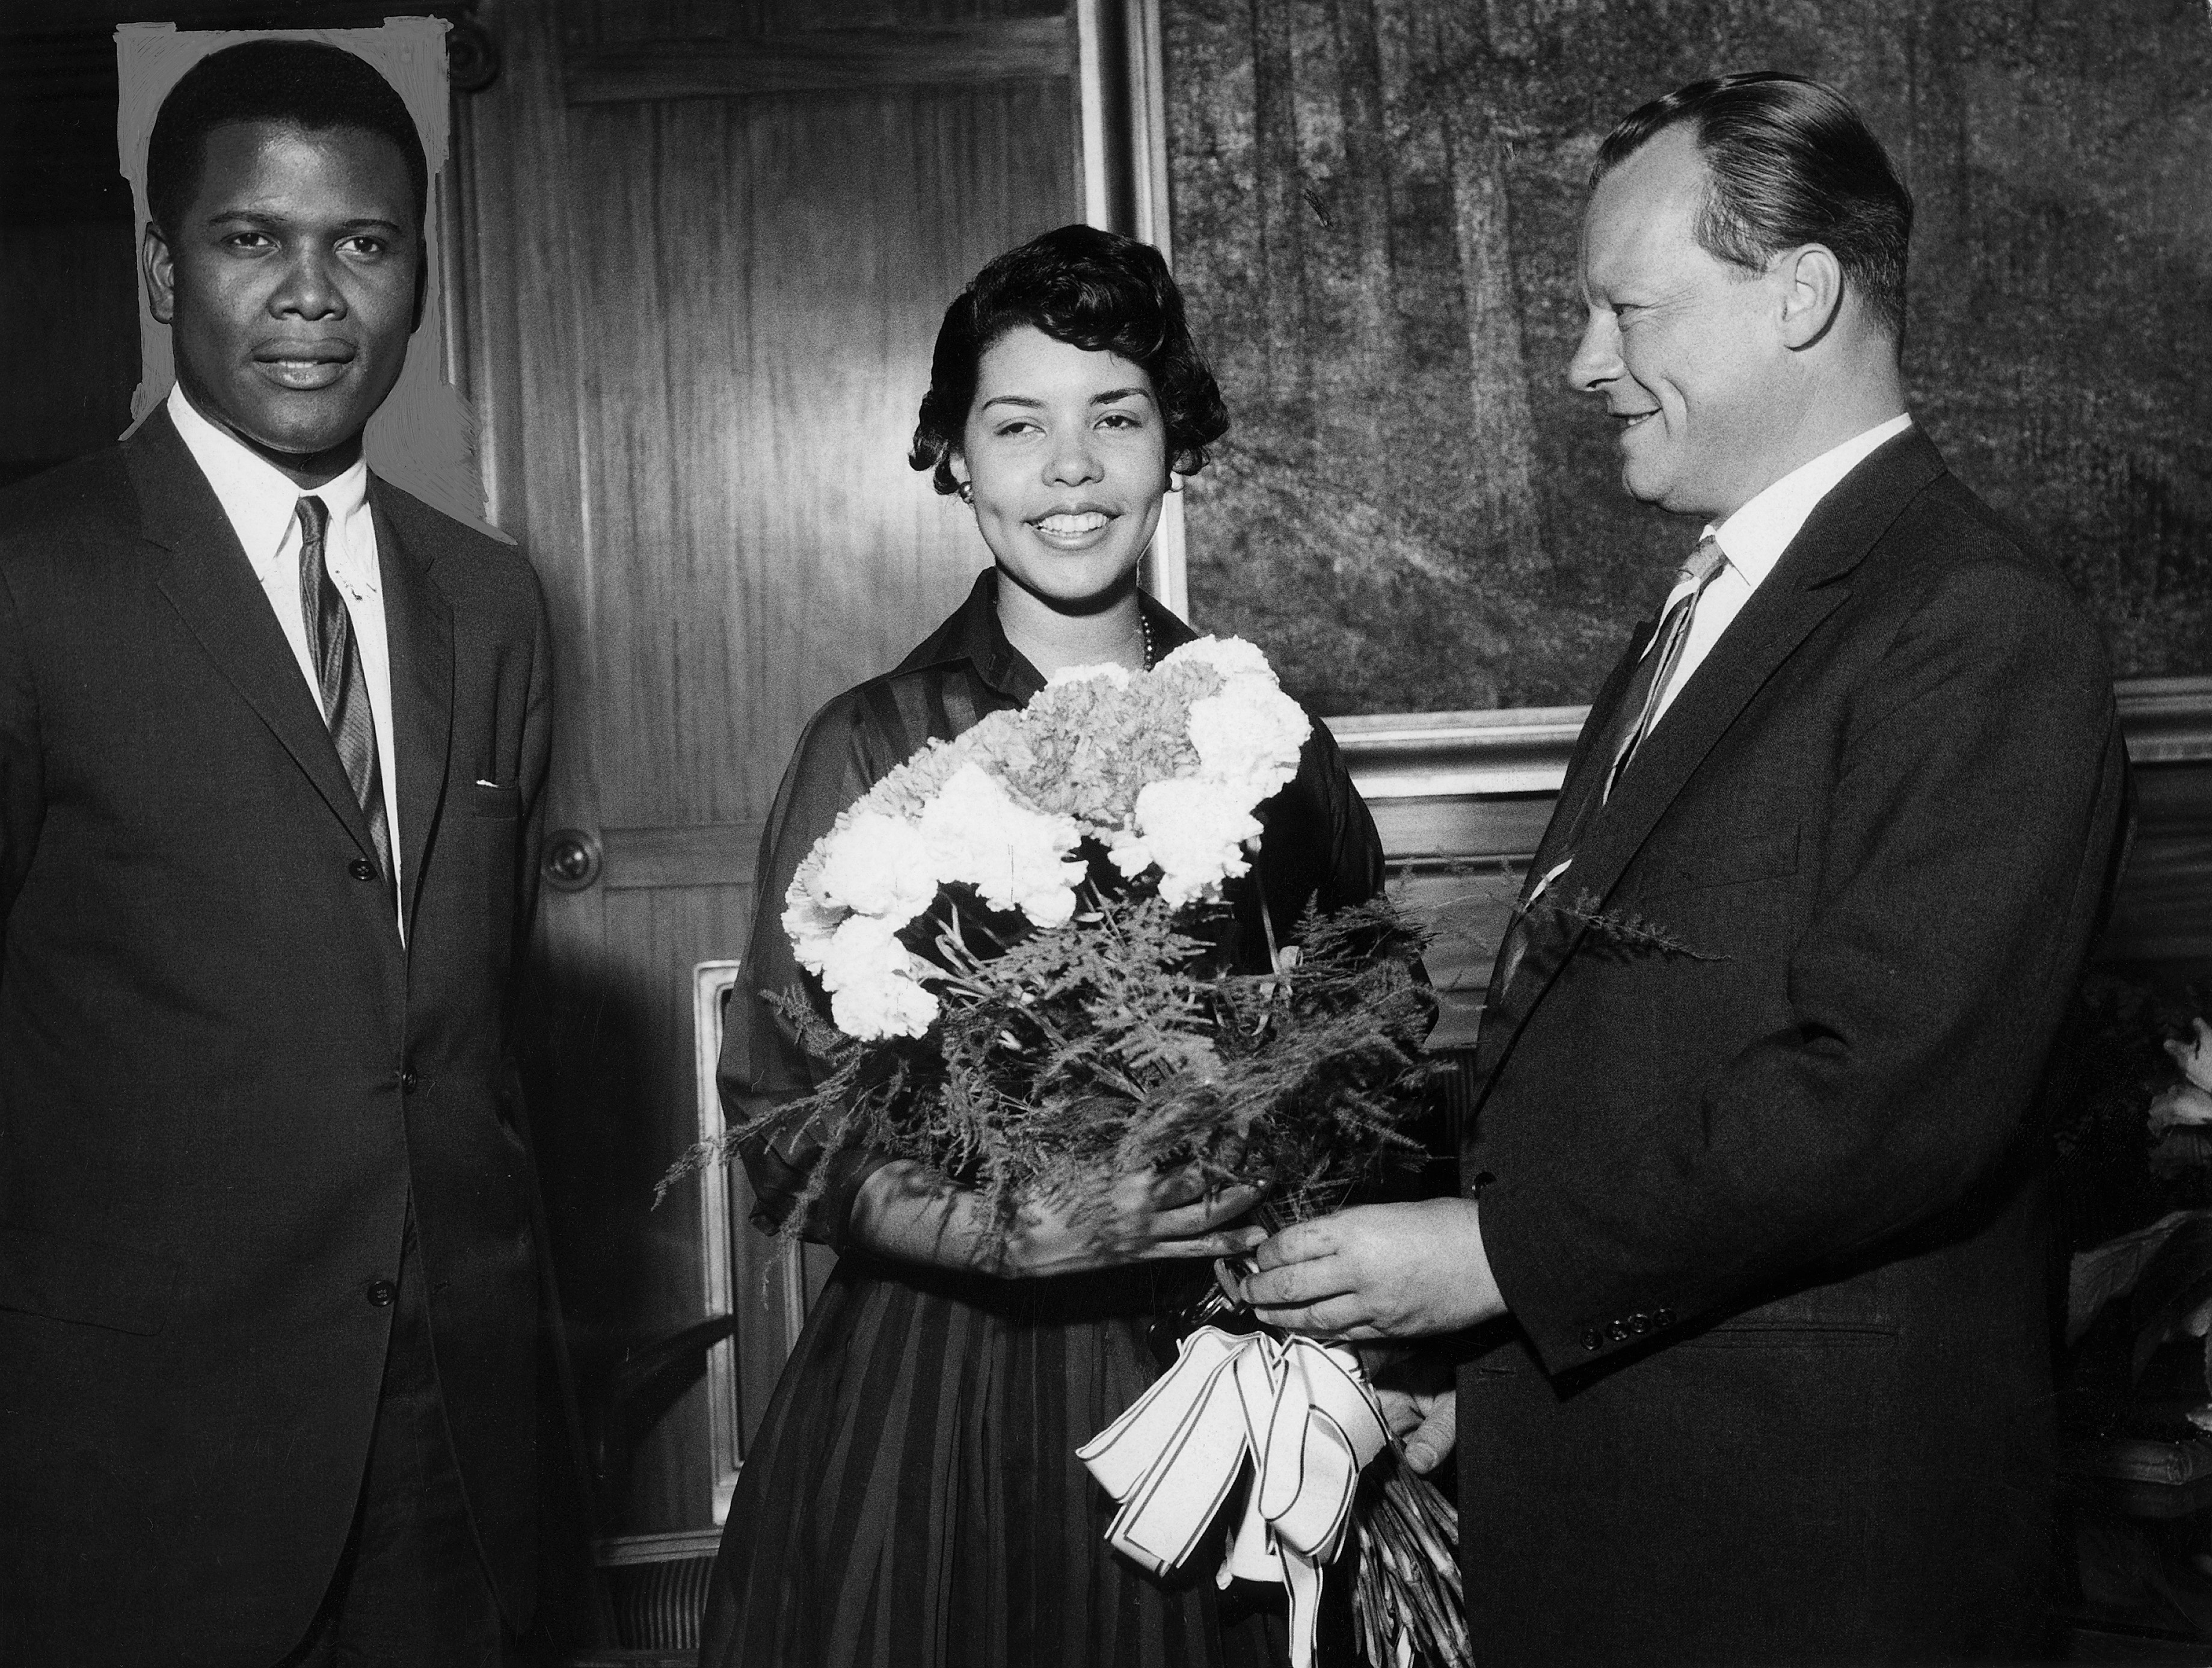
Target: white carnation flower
pixel 808 923
pixel 1249 733
pixel 872 863
pixel 864 947
pixel 1015 857
pixel 1232 657
pixel 1194 830
pixel 871 980
pixel 883 1007
pixel 1112 671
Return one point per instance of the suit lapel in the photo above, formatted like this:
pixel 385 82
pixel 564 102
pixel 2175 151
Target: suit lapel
pixel 1516 982
pixel 419 628
pixel 1764 635
pixel 210 583
pixel 1802 590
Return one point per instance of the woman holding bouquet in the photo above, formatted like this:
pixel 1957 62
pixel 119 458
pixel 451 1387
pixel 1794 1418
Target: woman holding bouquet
pixel 912 1498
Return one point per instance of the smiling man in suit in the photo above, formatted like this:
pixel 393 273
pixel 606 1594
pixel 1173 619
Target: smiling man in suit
pixel 271 737
pixel 1750 1234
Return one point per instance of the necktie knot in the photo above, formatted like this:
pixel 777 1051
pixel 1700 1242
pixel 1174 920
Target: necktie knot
pixel 1705 562
pixel 314 518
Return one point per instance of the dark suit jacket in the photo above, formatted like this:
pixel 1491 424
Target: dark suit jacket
pixel 222 1076
pixel 1765 1212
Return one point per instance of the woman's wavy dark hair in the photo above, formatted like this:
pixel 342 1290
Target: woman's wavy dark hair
pixel 1091 290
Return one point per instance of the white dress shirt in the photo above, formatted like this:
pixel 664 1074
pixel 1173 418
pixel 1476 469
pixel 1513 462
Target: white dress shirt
pixel 263 507
pixel 1753 540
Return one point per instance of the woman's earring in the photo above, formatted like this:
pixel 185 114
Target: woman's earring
pixel 966 490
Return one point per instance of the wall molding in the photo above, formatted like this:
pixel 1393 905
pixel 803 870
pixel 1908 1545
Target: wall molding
pixel 1523 750
pixel 1462 799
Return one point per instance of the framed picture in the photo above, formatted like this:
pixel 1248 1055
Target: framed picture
pixel 1376 210
pixel 1375 213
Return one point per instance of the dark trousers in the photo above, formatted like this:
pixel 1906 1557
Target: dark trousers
pixel 411 1590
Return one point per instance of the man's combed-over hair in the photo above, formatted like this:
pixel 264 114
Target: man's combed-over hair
pixel 1791 162
pixel 1093 290
pixel 306 84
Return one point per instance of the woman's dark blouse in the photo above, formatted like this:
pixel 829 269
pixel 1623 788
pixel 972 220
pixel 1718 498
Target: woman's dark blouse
pixel 1320 841
pixel 912 1498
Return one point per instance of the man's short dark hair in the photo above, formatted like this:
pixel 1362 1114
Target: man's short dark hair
pixel 1790 161
pixel 306 84
pixel 1093 290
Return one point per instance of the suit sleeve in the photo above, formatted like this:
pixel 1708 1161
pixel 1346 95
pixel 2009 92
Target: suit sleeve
pixel 1976 802
pixel 22 769
pixel 762 1066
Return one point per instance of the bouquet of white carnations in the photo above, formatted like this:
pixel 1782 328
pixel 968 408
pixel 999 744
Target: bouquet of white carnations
pixel 1021 933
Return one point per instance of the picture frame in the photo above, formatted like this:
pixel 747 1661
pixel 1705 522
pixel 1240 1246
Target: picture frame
pixel 1461 795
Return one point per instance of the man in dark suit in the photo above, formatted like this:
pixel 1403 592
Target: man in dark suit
pixel 1750 1232
pixel 271 737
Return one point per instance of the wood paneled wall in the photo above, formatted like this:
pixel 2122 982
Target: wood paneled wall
pixel 700 319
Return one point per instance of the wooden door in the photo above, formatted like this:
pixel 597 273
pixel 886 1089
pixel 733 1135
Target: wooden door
pixel 707 247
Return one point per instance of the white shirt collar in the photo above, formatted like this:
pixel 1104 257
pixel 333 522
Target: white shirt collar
pixel 1754 538
pixel 261 503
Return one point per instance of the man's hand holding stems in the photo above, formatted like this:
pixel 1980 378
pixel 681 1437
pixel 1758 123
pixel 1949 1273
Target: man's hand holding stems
pixel 1376 1276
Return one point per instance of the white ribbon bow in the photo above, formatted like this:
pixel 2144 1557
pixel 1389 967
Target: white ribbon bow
pixel 1301 1411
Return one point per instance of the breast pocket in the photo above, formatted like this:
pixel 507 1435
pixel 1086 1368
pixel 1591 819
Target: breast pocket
pixel 485 799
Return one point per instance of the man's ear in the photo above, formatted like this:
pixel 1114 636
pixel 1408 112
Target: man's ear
pixel 1812 293
pixel 160 269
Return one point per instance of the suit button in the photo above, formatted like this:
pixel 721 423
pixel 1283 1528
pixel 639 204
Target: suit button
pixel 1592 1338
pixel 380 1293
pixel 361 869
pixel 409 1082
pixel 1640 1322
pixel 1663 1317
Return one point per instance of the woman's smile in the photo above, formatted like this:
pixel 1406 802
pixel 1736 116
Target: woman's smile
pixel 1073 529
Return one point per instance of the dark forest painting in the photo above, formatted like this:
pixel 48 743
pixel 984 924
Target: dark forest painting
pixel 1376 205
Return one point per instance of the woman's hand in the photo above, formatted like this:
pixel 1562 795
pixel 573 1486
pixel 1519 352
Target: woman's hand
pixel 1148 1217
pixel 908 1210
pixel 1419 1398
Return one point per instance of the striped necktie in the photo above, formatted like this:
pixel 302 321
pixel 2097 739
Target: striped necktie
pixel 1640 704
pixel 339 678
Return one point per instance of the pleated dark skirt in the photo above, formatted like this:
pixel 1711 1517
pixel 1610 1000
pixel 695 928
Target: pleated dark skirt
pixel 912 1498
